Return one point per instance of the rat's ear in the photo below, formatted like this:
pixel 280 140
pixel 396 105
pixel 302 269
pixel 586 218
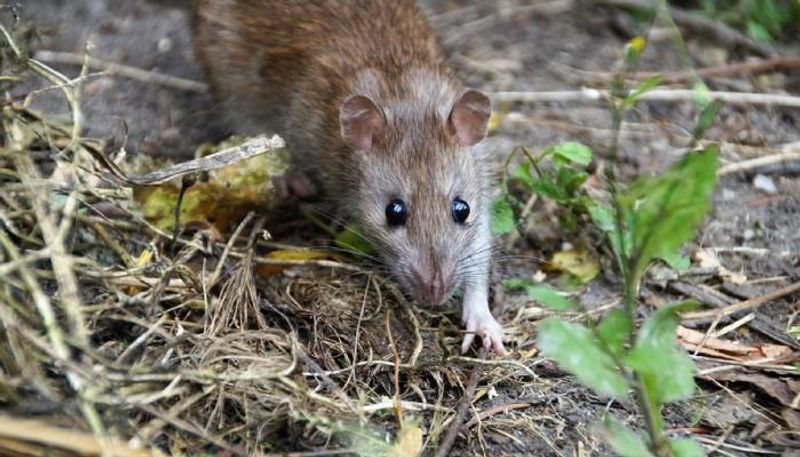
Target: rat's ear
pixel 361 120
pixel 470 117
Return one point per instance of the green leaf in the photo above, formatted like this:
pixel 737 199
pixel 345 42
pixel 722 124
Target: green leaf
pixel 705 119
pixel 603 218
pixel 550 298
pixel 758 32
pixel 523 173
pixel 574 152
pixel 659 329
pixel 644 86
pixel 614 330
pixel 516 283
pixel 686 447
pixel 666 371
pixel 502 216
pixel 664 211
pixel 676 261
pixel 570 180
pixel 666 375
pixel 545 187
pixel 350 240
pixel 622 439
pixel 574 347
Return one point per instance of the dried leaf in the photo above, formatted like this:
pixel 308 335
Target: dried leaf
pixel 577 263
pixel 293 255
pixel 408 443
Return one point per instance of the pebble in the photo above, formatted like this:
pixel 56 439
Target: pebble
pixel 765 183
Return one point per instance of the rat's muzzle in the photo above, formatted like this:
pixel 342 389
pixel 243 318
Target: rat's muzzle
pixel 432 287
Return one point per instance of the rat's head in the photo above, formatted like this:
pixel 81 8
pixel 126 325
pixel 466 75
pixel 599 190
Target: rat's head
pixel 421 195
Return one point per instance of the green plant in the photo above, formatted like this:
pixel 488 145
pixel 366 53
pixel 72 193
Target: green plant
pixel 764 20
pixel 647 220
pixel 560 182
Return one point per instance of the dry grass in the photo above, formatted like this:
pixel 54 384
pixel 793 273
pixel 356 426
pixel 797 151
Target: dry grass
pixel 123 339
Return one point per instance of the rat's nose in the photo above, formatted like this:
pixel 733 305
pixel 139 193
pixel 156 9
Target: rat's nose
pixel 433 287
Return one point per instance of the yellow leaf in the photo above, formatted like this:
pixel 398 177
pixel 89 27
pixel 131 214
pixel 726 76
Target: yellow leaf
pixel 301 254
pixel 408 443
pixel 293 255
pixel 577 263
pixel 224 199
pixel 144 257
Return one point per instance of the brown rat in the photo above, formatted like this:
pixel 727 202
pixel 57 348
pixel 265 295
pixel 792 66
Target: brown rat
pixel 360 90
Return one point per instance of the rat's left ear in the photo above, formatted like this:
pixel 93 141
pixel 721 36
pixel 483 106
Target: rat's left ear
pixel 469 117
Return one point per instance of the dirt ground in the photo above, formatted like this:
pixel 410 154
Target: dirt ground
pixel 515 45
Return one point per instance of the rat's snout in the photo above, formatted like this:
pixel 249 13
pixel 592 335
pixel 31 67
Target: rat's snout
pixel 433 286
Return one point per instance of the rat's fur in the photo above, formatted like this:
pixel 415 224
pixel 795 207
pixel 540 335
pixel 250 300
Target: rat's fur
pixel 289 66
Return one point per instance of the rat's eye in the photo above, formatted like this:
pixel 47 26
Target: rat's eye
pixel 396 212
pixel 460 210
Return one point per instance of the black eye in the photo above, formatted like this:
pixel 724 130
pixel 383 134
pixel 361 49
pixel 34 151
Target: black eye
pixel 460 210
pixel 396 212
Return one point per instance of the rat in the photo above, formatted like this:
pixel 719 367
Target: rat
pixel 361 92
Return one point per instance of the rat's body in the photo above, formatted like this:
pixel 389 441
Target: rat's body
pixel 360 90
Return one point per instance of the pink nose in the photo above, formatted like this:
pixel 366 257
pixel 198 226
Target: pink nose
pixel 433 287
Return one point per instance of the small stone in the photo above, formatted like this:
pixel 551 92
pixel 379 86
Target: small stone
pixel 765 183
pixel 728 195
pixel 164 45
pixel 748 234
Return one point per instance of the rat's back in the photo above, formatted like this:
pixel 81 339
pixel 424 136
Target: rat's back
pixel 275 62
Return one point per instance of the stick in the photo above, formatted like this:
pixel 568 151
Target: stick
pixel 463 406
pixel 761 66
pixel 73 441
pixel 505 408
pixel 743 305
pixel 663 95
pixel 127 71
pixel 747 165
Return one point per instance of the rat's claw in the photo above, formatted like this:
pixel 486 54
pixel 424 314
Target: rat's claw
pixel 490 331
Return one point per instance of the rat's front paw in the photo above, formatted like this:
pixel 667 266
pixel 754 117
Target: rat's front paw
pixel 484 324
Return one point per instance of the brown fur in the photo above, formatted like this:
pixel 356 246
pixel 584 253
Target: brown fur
pixel 287 66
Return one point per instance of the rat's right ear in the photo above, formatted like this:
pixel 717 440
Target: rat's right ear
pixel 469 118
pixel 361 120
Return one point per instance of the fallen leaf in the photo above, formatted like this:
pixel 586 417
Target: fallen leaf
pixel 695 341
pixel 577 262
pixel 707 258
pixel 225 198
pixel 408 443
pixel 779 389
pixel 293 255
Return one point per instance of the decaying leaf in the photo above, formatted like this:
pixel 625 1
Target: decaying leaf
pixel 576 262
pixel 292 255
pixel 229 194
pixel 695 341
pixel 707 258
pixel 782 390
pixel 408 443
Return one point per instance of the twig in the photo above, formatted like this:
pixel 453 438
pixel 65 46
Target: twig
pixel 250 148
pixel 744 305
pixel 127 71
pixel 463 406
pixel 217 273
pixel 495 410
pixel 748 165
pixel 761 66
pixel 663 95
pixel 398 410
pixel 72 441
